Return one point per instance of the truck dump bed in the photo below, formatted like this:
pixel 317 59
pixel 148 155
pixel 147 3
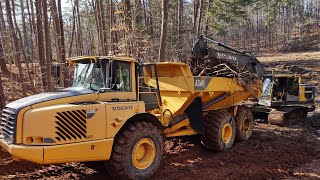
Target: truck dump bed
pixel 179 88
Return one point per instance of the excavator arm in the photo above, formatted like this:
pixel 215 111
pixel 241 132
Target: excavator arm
pixel 241 59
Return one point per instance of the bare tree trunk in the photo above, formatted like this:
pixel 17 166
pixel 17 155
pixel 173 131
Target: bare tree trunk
pixel 28 42
pixel 199 17
pixel 63 49
pixel 73 31
pixel 2 97
pixel 111 11
pixel 137 13
pixel 164 31
pixel 95 11
pixel 284 30
pixel 27 60
pixel 128 25
pixel 127 14
pixel 41 44
pixel 101 27
pixel 47 45
pixel 32 26
pixel 56 27
pixel 180 16
pixel 32 31
pixel 63 74
pixel 151 19
pixel 269 35
pixel 195 15
pixel 206 26
pixel 258 33
pixel 114 35
pixel 3 66
pixel 79 30
pixel 24 29
pixel 104 29
pixel 277 37
pixel 265 29
pixel 289 23
pixel 145 12
pixel 17 52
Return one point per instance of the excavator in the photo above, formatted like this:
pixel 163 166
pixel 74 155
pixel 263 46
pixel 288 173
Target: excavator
pixel 283 95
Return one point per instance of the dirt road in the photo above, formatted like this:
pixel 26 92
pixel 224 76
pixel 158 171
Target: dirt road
pixel 272 152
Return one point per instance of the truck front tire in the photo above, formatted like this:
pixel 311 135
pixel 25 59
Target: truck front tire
pixel 137 151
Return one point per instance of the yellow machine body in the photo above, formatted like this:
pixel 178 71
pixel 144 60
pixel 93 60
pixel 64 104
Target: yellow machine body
pixel 178 89
pixel 83 127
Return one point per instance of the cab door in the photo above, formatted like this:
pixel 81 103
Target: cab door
pixel 119 82
pixel 266 95
pixel 292 89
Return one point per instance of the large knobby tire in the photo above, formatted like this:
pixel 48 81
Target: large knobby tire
pixel 219 131
pixel 137 152
pixel 244 122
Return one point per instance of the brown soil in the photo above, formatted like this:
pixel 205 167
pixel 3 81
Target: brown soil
pixel 273 152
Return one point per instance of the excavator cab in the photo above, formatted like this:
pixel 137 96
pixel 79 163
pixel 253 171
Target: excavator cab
pixel 284 99
pixel 284 89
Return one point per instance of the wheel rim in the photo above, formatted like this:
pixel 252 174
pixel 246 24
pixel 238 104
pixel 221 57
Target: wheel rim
pixel 246 125
pixel 143 153
pixel 227 133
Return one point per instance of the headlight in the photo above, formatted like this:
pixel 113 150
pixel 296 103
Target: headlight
pixel 34 140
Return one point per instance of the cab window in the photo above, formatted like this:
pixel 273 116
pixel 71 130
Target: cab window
pixel 89 75
pixel 121 77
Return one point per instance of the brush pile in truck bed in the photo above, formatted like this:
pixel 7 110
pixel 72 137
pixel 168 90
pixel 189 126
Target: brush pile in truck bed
pixel 214 67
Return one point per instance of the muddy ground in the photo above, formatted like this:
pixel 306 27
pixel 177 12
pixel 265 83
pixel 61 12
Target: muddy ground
pixel 273 152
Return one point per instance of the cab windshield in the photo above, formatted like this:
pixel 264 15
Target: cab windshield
pixel 89 75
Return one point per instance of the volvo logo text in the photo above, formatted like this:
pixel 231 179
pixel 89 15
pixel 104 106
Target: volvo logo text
pixel 122 108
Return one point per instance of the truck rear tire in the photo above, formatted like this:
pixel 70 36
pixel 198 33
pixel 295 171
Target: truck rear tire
pixel 137 152
pixel 219 131
pixel 244 122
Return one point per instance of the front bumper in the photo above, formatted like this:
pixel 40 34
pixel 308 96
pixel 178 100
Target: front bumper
pixel 97 150
pixel 30 153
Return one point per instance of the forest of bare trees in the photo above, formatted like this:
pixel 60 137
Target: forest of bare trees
pixel 36 35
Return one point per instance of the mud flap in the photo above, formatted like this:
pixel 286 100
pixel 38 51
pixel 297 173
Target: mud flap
pixel 195 114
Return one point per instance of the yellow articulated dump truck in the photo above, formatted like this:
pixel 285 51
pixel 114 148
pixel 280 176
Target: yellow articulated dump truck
pixel 121 112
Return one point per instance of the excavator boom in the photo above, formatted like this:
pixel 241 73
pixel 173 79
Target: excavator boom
pixel 241 59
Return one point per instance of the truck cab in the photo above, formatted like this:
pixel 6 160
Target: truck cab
pixel 113 77
pixel 78 123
